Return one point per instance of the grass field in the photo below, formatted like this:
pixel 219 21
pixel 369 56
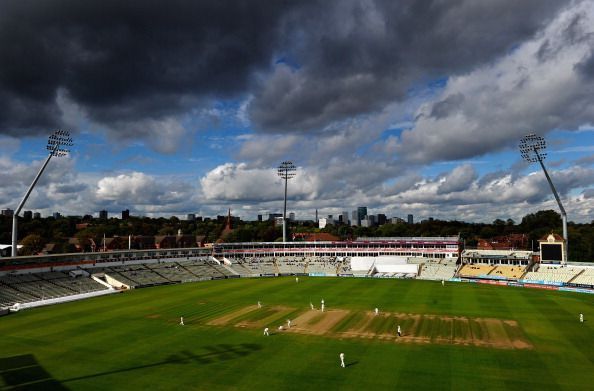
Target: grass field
pixel 461 336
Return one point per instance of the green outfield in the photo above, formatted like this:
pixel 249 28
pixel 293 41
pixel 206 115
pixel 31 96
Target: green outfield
pixel 457 336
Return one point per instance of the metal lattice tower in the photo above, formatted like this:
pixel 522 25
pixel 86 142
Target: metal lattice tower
pixel 286 170
pixel 533 149
pixel 56 144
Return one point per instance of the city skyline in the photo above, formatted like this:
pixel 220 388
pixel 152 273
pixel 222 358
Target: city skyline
pixel 190 108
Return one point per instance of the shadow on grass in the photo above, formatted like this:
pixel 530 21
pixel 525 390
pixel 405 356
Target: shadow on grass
pixel 352 363
pixel 25 372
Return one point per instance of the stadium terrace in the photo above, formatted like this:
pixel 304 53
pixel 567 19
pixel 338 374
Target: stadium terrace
pixel 66 277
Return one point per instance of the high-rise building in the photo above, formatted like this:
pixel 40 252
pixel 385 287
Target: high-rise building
pixel 125 214
pixel 36 215
pixel 410 219
pixel 381 219
pixel 292 216
pixel 190 217
pixel 345 217
pixel 355 219
pixel 361 213
pixel 7 212
pixel 103 214
pixel 368 221
pixel 259 217
pixel 27 215
pixel 57 215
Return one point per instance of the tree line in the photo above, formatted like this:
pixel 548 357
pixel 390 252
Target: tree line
pixel 36 233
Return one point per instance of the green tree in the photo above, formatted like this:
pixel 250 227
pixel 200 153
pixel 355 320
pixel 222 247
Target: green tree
pixel 32 244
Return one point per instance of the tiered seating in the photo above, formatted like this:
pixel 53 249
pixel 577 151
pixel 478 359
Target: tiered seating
pixel 138 275
pixel 199 269
pixel 290 265
pixel 585 278
pixel 79 284
pixel 475 270
pixel 124 279
pixel 10 296
pixel 214 270
pixel 553 274
pixel 267 265
pixel 173 272
pixel 24 288
pixel 240 266
pixel 437 271
pixel 255 266
pixel 344 266
pixel 327 265
pixel 508 272
pixel 221 269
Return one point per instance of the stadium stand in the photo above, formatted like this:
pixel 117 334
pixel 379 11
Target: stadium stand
pixel 362 266
pixel 556 274
pixel 255 266
pixel 290 265
pixel 25 288
pixel 586 277
pixel 508 272
pixel 437 271
pixel 322 265
pixel 475 270
pixel 384 266
pixel 241 267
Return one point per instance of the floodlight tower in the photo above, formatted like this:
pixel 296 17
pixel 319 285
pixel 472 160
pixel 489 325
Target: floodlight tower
pixel 55 145
pixel 532 149
pixel 286 170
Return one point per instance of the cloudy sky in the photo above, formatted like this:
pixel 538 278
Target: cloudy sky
pixel 402 106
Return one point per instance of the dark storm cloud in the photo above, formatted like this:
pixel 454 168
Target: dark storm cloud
pixel 356 56
pixel 129 61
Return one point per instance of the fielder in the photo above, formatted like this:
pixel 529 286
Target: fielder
pixel 399 331
pixel 296 279
pixel 181 321
pixel 259 305
pixel 376 311
pixel 288 323
pixel 322 305
pixel 266 332
pixel 341 355
pixel 442 282
pixel 311 306
pixel 581 318
pixel 280 328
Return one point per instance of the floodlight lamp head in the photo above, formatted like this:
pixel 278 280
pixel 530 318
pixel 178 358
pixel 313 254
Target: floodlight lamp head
pixel 286 170
pixel 532 148
pixel 58 140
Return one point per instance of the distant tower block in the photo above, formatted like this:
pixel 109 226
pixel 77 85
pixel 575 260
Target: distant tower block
pixel 552 249
pixel 228 225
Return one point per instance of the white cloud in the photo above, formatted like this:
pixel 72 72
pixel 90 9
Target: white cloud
pixel 535 88
pixel 238 182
